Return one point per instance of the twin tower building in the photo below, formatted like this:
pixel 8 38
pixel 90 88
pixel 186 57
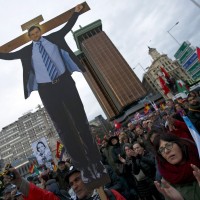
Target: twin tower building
pixel 111 79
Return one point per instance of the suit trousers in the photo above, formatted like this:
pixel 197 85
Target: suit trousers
pixel 63 104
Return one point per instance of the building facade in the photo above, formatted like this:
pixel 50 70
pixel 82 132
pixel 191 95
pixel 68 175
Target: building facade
pixel 110 77
pixel 17 137
pixel 173 68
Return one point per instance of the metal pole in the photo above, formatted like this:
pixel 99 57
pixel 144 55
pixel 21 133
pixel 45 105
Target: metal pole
pixel 195 3
pixel 172 35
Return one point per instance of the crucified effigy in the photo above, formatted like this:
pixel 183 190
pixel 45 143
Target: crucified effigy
pixel 48 63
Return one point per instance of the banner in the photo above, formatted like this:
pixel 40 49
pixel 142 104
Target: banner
pixel 41 151
pixel 146 108
pixel 59 150
pixel 193 131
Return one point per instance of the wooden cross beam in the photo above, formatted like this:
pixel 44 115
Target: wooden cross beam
pixel 45 27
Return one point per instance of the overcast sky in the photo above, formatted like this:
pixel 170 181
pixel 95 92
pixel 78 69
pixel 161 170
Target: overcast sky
pixel 132 25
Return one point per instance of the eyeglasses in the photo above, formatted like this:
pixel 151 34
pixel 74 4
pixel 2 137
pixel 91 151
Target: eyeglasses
pixel 167 146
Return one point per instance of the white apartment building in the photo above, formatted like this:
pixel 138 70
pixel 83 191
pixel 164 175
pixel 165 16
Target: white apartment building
pixel 17 137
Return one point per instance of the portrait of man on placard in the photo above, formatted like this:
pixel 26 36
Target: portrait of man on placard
pixel 42 151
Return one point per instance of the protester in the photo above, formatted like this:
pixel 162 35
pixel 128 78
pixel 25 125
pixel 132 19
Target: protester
pixel 106 153
pixel 178 128
pixel 50 184
pixel 144 169
pixel 61 173
pixel 29 190
pixel 82 192
pixel 116 152
pixel 170 106
pixel 194 112
pixel 179 109
pixel 175 156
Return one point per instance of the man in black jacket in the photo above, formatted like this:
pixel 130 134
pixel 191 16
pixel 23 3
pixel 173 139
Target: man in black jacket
pixel 47 66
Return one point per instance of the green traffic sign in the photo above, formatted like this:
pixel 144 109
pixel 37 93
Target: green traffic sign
pixel 184 57
pixel 193 67
pixel 182 48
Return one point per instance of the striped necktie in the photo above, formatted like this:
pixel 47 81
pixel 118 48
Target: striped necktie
pixel 51 68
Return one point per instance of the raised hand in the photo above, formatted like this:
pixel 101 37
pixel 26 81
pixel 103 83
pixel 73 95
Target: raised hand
pixel 196 173
pixel 167 190
pixel 122 160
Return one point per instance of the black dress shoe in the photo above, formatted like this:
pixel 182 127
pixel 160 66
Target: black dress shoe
pixel 98 169
pixel 87 175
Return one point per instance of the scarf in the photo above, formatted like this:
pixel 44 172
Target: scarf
pixel 180 174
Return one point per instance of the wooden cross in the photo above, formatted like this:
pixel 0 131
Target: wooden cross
pixel 45 27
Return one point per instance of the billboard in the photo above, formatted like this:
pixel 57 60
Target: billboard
pixel 41 151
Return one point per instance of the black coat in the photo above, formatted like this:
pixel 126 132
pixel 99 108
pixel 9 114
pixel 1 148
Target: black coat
pixel 146 163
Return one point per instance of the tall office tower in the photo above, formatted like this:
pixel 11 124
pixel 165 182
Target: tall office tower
pixel 111 79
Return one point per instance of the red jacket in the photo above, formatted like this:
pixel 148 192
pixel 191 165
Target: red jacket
pixel 40 194
pixel 117 195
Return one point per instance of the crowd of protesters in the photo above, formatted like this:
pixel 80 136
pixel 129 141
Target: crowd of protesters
pixel 151 158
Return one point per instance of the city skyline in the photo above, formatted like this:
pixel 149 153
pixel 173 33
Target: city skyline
pixel 131 27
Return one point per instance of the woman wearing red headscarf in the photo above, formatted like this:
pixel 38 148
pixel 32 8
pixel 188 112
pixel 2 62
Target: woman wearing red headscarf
pixel 174 157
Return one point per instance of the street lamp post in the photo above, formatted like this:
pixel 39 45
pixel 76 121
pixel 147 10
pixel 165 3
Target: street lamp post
pixel 172 35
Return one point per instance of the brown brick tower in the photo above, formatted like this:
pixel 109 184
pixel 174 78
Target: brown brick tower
pixel 111 79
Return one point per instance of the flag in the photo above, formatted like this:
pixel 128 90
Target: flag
pixel 163 85
pixel 98 140
pixel 154 106
pixel 181 86
pixel 146 108
pixel 162 106
pixel 59 149
pixel 36 170
pixel 137 116
pixel 164 72
pixel 193 131
pixel 198 53
pixel 117 125
pixel 31 169
pixel 55 167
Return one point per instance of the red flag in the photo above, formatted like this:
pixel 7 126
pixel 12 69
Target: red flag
pixel 165 72
pixel 198 53
pixel 163 85
pixel 117 125
pixel 98 140
pixel 31 169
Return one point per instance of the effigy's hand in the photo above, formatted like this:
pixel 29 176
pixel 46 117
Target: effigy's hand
pixel 78 8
